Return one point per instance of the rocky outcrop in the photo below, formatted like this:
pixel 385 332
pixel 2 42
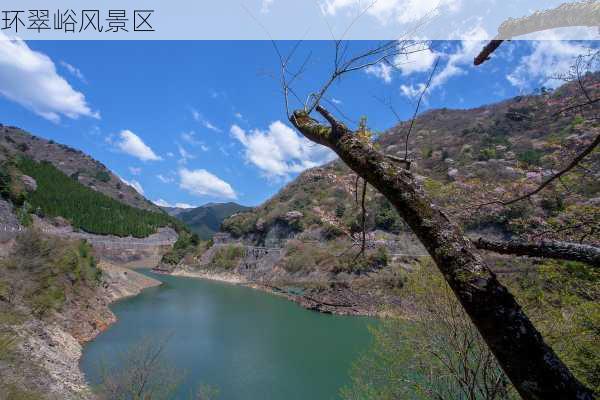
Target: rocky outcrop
pixel 49 350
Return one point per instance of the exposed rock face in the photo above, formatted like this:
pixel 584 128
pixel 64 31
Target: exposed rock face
pixel 50 349
pixel 293 215
pixel 29 183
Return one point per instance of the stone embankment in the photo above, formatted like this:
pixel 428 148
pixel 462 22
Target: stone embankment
pixel 125 251
pixel 259 268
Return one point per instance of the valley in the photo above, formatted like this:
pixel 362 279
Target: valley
pixel 89 266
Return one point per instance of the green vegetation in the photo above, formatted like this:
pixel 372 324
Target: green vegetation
pixel 53 268
pixel 239 224
pixel 13 392
pixel 439 355
pixel 207 219
pixel 11 187
pixel 185 244
pixel 563 301
pixel 335 256
pixel 487 153
pixel 102 176
pixel 87 209
pixel 228 256
pixel 531 157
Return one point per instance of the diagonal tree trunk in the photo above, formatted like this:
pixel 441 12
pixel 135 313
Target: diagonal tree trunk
pixel 532 366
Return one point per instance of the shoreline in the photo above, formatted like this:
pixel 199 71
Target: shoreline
pixel 306 302
pixel 123 283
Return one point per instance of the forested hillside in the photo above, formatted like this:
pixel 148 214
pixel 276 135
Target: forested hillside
pixel 58 195
pixel 206 220
pixel 72 162
pixel 43 188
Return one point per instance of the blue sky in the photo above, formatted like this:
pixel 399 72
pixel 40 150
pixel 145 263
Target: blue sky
pixel 192 122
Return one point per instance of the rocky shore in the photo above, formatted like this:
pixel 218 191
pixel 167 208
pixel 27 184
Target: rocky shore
pixel 339 298
pixel 48 352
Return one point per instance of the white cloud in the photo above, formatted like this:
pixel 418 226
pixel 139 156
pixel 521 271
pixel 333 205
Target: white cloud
pixel 336 101
pixel 76 72
pixel 280 151
pixel 164 179
pixel 204 122
pixel 419 58
pixel 185 155
pixel 412 91
pixel 238 115
pixel 381 70
pixel 200 182
pixel 184 205
pixel 190 137
pixel 456 62
pixel 133 145
pixel 400 11
pixel 135 170
pixel 134 184
pixel 265 7
pixel 29 78
pixel 164 203
pixel 547 59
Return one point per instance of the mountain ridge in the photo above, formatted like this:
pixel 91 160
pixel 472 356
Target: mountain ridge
pixel 206 219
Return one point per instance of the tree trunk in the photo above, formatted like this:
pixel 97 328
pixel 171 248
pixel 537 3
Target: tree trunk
pixel 550 249
pixel 532 366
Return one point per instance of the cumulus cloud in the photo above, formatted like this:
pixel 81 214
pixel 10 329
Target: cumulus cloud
pixel 547 59
pixel 29 78
pixel 200 182
pixel 280 151
pixel 418 58
pixel 130 143
pixel 400 11
pixel 164 203
pixel 412 91
pixel 457 60
pixel 381 70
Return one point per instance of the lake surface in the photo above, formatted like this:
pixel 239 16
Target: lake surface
pixel 249 344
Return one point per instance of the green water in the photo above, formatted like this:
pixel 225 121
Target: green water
pixel 249 344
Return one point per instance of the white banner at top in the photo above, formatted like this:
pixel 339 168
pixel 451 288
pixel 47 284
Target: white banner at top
pixel 298 19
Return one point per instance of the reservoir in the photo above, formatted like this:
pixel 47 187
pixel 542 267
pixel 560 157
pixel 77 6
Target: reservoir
pixel 249 344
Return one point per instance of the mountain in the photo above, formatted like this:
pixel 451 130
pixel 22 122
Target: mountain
pixel 462 157
pixel 206 220
pixel 43 178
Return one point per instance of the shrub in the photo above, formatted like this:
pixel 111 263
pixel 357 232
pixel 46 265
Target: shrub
pixel 298 258
pixel 487 153
pixel 102 176
pixel 439 354
pixel 228 256
pixel 531 157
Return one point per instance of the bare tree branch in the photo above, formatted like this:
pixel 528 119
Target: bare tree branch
pixel 545 249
